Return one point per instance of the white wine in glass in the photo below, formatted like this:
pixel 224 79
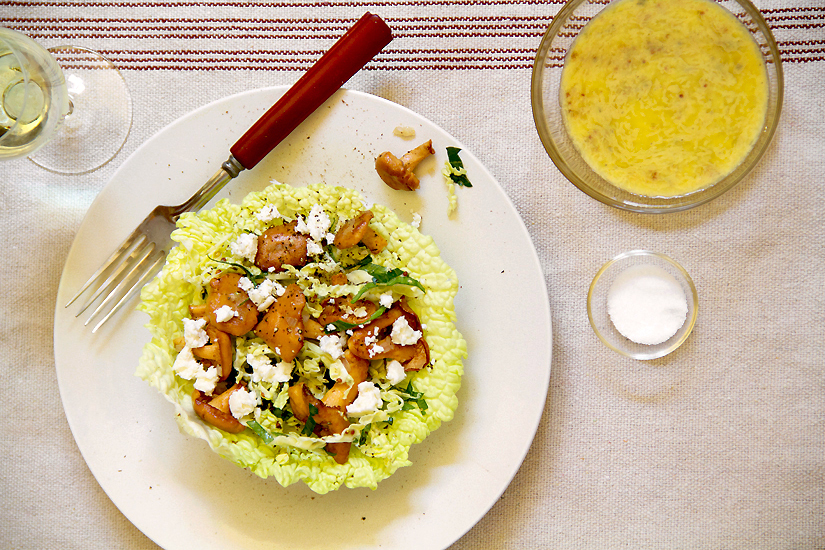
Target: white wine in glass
pixel 66 108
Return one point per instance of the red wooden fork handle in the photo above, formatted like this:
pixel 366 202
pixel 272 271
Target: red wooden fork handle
pixel 346 57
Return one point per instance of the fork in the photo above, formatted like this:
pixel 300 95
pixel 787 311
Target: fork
pixel 143 253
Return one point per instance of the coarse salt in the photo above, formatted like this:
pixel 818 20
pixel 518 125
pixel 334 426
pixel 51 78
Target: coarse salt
pixel 647 304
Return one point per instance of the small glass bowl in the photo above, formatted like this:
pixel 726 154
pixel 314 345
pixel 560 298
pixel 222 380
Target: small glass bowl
pixel 547 70
pixel 597 304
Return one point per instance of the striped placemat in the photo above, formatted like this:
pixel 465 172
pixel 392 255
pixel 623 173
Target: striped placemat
pixel 225 35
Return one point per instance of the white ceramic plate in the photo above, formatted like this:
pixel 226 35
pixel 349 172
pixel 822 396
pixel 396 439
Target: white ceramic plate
pixel 181 494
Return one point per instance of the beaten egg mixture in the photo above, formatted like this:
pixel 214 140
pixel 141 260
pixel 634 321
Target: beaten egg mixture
pixel 664 97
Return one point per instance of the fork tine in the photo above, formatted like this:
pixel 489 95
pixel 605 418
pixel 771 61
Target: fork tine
pixel 147 274
pixel 138 252
pixel 124 246
pixel 136 261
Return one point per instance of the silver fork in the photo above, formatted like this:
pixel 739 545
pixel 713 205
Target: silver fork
pixel 142 254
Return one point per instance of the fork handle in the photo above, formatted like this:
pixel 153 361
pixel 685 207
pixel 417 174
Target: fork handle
pixel 345 58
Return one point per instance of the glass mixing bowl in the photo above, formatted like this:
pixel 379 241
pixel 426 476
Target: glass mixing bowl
pixel 547 71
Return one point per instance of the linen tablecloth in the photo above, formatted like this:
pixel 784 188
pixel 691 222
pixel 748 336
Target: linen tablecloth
pixel 720 445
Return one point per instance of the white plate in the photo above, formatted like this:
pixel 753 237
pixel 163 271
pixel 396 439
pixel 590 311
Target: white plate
pixel 181 494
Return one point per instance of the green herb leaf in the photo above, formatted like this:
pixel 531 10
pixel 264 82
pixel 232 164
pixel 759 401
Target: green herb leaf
pixel 283 414
pixel 254 278
pixel 413 399
pixel 260 431
pixel 364 433
pixel 457 164
pixel 381 276
pixel 343 325
pixel 310 425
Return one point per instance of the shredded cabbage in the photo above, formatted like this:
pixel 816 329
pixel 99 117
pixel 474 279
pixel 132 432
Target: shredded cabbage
pixel 382 438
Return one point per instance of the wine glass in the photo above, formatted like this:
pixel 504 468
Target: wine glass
pixel 67 108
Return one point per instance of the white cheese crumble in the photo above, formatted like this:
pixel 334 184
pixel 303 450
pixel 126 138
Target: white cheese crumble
pixel 245 284
pixel 375 350
pixel 264 294
pixel 206 380
pixel 189 368
pixel 357 312
pixel 395 372
pixel 224 314
pixel 264 371
pixel 245 246
pixel 282 372
pixel 332 345
pixel 268 213
pixel 314 249
pixel 242 402
pixel 368 400
pixel 186 366
pixel 416 220
pixel 386 300
pixel 193 334
pixel 403 334
pixel 316 223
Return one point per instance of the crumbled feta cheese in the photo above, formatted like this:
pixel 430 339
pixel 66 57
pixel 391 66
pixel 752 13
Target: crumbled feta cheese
pixel 245 246
pixel 357 312
pixel 318 222
pixel 245 284
pixel 193 334
pixel 282 372
pixel 331 344
pixel 261 365
pixel 375 350
pixel 330 238
pixel 264 371
pixel 403 334
pixel 242 402
pixel 224 314
pixel 268 213
pixel 186 366
pixel 416 220
pixel 264 294
pixel 331 328
pixel 386 300
pixel 368 400
pixel 313 248
pixel 395 372
pixel 206 380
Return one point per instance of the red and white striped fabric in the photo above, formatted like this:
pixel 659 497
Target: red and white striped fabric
pixel 719 446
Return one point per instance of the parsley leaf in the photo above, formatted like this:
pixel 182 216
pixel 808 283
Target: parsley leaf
pixel 381 276
pixel 413 399
pixel 343 325
pixel 254 278
pixel 363 437
pixel 261 432
pixel 458 174
pixel 309 427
